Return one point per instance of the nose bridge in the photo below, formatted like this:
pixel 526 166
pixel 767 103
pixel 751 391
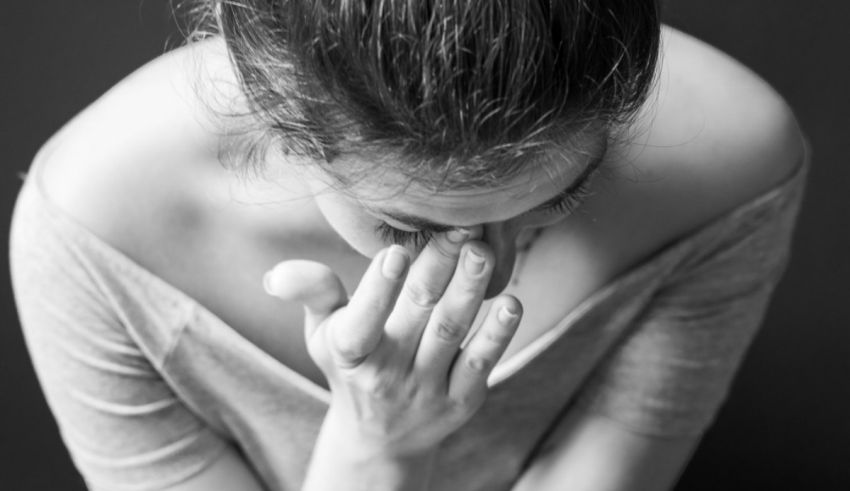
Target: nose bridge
pixel 501 237
pixel 498 235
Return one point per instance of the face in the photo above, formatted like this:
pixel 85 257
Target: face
pixel 371 215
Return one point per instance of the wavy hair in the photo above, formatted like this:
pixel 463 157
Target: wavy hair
pixel 458 92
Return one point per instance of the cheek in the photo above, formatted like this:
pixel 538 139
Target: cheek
pixel 536 220
pixel 545 219
pixel 351 223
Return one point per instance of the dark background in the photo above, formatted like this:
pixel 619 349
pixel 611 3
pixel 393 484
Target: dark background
pixel 787 422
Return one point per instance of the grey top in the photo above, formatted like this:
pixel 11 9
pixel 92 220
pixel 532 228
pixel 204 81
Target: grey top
pixel 148 386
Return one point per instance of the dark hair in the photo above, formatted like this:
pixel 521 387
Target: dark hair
pixel 459 91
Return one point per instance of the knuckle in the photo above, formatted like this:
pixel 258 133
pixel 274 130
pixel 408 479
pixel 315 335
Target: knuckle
pixel 350 353
pixel 470 288
pixel 380 387
pixel 449 331
pixel 498 336
pixel 467 403
pixel 347 347
pixel 478 364
pixel 422 294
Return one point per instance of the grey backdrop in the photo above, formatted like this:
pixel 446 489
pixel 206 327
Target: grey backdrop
pixel 786 425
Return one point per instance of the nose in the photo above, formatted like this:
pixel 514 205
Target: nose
pixel 501 237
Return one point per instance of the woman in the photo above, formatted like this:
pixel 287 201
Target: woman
pixel 589 215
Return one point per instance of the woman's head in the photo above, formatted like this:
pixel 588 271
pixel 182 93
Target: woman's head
pixel 454 93
pixel 371 214
pixel 441 103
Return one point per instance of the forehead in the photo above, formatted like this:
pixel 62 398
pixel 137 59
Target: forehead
pixel 392 194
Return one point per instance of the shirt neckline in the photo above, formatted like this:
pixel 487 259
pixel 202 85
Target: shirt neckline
pixel 505 369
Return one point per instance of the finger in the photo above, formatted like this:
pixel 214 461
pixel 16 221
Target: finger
pixel 360 328
pixel 454 314
pixel 312 284
pixel 468 378
pixel 424 287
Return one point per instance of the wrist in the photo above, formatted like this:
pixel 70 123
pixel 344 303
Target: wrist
pixel 343 459
pixel 370 437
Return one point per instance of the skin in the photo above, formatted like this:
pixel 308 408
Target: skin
pixel 504 212
pixel 390 357
pixel 398 380
pixel 712 136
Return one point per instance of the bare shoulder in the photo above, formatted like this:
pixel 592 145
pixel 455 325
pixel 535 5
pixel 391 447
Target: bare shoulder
pixel 720 120
pixel 124 161
pixel 713 136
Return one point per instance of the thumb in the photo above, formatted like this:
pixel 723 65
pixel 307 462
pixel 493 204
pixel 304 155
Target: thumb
pixel 309 283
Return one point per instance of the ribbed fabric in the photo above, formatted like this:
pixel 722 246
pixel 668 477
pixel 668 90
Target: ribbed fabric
pixel 148 386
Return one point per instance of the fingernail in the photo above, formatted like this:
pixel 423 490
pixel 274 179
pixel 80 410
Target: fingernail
pixel 395 263
pixel 267 283
pixel 475 232
pixel 457 235
pixel 474 262
pixel 506 315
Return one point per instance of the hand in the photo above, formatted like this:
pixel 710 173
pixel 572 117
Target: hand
pixel 400 383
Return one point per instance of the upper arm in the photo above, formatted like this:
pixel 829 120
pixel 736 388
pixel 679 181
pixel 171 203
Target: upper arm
pixel 640 415
pixel 123 424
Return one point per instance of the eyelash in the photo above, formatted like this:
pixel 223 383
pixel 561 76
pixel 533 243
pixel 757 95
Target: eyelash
pixel 417 240
pixel 573 199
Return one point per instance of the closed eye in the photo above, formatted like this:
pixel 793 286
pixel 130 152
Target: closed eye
pixel 566 202
pixel 413 239
pixel 570 199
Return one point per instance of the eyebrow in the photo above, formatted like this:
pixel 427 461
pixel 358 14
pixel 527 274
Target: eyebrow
pixel 425 225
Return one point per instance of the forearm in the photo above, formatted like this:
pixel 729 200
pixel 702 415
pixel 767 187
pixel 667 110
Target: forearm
pixel 595 453
pixel 340 461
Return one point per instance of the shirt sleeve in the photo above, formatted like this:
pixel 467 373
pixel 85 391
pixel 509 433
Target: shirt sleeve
pixel 672 371
pixel 122 424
